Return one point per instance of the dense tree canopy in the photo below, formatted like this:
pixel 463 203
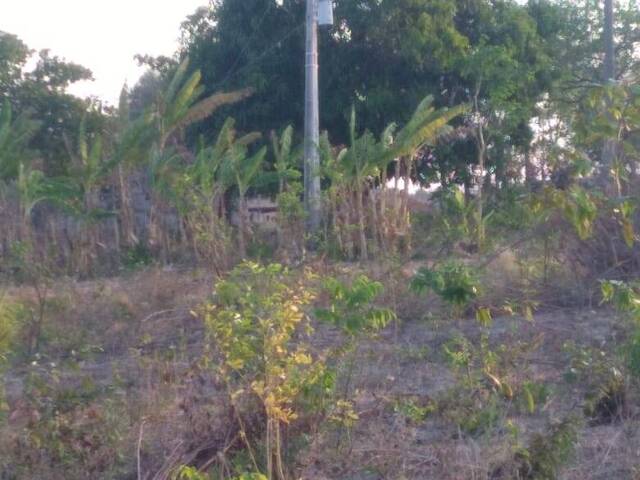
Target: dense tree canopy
pixel 383 56
pixel 41 94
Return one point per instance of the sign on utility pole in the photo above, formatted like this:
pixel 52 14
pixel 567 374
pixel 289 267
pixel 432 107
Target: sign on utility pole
pixel 317 14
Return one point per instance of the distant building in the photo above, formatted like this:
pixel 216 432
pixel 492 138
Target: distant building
pixel 262 211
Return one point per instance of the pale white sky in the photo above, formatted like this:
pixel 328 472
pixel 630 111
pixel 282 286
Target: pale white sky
pixel 101 35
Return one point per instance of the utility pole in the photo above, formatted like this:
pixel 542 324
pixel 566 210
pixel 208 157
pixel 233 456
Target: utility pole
pixel 609 68
pixel 312 201
pixel 609 148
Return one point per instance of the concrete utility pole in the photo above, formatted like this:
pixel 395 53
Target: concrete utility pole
pixel 609 148
pixel 312 201
pixel 609 69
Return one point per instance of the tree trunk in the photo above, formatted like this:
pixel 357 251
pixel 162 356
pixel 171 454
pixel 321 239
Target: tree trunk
pixel 361 220
pixel 242 224
pixel 126 216
pixel 480 140
pixel 384 227
pixel 530 174
pixel 609 70
pixel 609 76
pixel 375 222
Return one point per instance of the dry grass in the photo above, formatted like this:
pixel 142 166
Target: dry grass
pixel 148 343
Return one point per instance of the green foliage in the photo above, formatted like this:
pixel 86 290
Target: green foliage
pixel 15 135
pixel 352 307
pixel 191 473
pixel 136 257
pixel 180 105
pixel 81 429
pixel 456 283
pixel 547 453
pixel 414 410
pixel 257 324
pixel 253 321
pixel 533 396
pixel 424 128
pixel 474 412
pixel 603 376
pixel 626 299
pixel 11 319
pixel 580 210
pixel 9 328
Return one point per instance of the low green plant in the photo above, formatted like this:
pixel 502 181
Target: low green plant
pixel 257 324
pixel 9 331
pixel 352 306
pixel 547 453
pixel 532 396
pixel 625 297
pixel 353 310
pixel 137 256
pixel 9 328
pixel 38 275
pixel 414 410
pixel 474 411
pixel 191 473
pixel 602 375
pixel 80 427
pixel 457 284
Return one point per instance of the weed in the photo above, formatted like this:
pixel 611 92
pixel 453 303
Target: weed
pixel 136 257
pixel 352 306
pixel 415 410
pixel 257 322
pixel 456 283
pixel 546 454
pixel 606 395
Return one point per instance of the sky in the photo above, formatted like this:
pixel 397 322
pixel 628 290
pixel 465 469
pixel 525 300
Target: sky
pixel 101 35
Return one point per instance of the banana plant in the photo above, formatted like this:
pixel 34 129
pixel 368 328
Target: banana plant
pixel 176 108
pixel 88 172
pixel 286 158
pixel 203 185
pixel 426 125
pixel 180 105
pixel 244 170
pixel 15 134
pixel 288 175
pixel 358 162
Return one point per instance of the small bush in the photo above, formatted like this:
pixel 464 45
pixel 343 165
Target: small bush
pixel 257 324
pixel 352 306
pixel 454 282
pixel 547 453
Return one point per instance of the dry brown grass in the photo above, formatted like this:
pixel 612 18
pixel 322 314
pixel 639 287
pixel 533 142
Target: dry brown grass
pixel 149 343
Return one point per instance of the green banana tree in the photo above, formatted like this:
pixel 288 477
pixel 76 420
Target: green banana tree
pixel 288 174
pixel 361 167
pixel 89 171
pixel 201 193
pixel 243 169
pixel 359 164
pixel 287 158
pixel 176 108
pixel 180 105
pixel 15 134
pixel 425 127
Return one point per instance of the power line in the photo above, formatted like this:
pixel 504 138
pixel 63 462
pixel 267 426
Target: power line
pixel 258 59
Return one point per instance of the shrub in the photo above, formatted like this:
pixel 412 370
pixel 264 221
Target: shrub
pixel 257 323
pixel 454 282
pixel 546 454
pixel 352 307
pixel 78 429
